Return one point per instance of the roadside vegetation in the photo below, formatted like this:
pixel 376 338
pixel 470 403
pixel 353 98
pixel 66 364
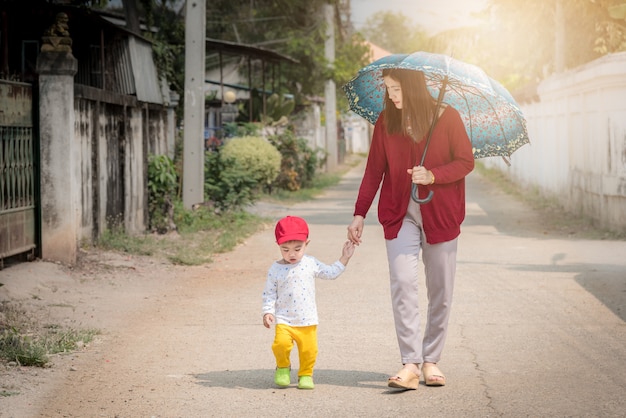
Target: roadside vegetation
pixel 245 169
pixel 25 341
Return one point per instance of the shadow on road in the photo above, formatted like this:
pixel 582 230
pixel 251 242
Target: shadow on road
pixel 608 288
pixel 606 282
pixel 263 378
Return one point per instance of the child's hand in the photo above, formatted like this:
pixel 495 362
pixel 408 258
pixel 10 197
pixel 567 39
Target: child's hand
pixel 348 249
pixel 268 320
pixel 347 252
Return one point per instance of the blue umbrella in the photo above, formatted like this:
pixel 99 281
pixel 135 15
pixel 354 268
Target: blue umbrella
pixel 492 118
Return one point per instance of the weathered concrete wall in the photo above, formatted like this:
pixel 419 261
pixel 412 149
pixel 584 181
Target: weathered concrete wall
pixel 577 129
pixel 117 135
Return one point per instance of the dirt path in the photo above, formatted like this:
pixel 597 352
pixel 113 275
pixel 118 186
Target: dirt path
pixel 533 310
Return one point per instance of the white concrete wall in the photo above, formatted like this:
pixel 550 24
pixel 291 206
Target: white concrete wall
pixel 309 126
pixel 358 133
pixel 577 129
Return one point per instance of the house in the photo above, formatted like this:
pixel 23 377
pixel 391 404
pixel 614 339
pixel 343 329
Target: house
pixel 239 79
pixel 83 108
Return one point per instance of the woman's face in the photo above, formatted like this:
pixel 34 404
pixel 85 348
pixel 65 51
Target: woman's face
pixel 394 91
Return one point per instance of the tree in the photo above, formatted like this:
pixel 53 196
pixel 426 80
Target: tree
pixel 131 11
pixel 519 43
pixel 395 32
pixel 292 27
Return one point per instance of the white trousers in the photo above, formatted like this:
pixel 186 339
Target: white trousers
pixel 440 267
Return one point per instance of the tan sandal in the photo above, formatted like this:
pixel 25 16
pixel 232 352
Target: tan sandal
pixel 432 375
pixel 404 379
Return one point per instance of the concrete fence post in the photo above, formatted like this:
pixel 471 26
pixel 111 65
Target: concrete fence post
pixel 60 177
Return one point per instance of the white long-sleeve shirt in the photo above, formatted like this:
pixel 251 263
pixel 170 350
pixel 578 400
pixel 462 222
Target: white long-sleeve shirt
pixel 290 290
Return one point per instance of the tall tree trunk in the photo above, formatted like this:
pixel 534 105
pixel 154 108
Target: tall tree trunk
pixel 131 9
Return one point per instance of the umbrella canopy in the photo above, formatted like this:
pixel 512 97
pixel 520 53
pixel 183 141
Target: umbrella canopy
pixel 492 118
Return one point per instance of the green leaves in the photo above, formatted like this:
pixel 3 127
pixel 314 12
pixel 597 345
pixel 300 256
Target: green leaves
pixel 235 175
pixel 162 178
pixel 162 188
pixel 296 28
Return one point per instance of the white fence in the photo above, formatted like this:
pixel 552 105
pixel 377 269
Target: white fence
pixel 358 133
pixel 577 129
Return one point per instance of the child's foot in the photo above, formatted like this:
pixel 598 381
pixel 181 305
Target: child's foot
pixel 305 382
pixel 281 376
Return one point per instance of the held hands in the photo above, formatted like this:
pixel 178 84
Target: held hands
pixel 268 320
pixel 355 230
pixel 420 175
pixel 348 249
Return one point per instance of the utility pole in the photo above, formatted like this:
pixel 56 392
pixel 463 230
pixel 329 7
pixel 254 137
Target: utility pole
pixel 330 91
pixel 193 141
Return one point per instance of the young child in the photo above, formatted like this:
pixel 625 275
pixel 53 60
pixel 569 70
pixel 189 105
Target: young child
pixel 289 299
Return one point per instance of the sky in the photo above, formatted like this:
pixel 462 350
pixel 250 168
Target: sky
pixel 432 15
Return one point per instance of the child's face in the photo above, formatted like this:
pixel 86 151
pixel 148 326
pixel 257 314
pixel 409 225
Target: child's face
pixel 292 251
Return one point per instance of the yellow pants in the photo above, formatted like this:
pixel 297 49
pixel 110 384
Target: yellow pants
pixel 305 338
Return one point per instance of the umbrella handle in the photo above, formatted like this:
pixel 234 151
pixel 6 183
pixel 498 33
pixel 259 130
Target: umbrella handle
pixel 442 92
pixel 416 198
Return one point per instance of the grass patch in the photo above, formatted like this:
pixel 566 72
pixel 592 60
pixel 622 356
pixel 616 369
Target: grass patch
pixel 201 233
pixel 27 342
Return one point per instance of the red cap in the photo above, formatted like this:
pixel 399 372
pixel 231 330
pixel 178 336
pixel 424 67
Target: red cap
pixel 291 228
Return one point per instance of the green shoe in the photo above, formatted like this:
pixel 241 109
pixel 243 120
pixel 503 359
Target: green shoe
pixel 282 377
pixel 305 382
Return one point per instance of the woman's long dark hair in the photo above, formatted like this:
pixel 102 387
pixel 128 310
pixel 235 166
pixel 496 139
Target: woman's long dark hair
pixel 418 106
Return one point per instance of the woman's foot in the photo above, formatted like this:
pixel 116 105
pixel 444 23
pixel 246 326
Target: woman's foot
pixel 407 378
pixel 432 375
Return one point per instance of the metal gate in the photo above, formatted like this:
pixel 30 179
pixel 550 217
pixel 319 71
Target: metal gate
pixel 18 208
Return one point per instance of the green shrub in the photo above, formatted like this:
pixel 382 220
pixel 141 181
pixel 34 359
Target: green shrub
pixel 243 167
pixel 241 129
pixel 299 161
pixel 162 185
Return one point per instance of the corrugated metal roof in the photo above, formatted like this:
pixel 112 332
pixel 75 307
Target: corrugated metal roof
pixel 147 84
pixel 248 50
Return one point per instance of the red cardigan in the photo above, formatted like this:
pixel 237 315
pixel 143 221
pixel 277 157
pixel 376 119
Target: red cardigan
pixel 449 157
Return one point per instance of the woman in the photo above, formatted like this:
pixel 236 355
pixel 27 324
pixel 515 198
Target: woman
pixel 397 145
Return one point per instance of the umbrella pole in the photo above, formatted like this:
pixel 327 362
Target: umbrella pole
pixel 442 93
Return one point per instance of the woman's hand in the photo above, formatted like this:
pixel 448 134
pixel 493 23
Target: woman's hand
pixel 420 175
pixel 355 230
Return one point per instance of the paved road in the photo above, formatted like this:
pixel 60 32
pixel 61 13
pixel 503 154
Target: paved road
pixel 538 329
